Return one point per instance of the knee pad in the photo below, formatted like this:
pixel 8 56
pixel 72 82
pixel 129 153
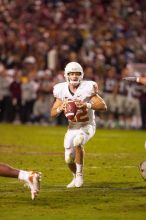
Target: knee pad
pixel 78 140
pixel 69 157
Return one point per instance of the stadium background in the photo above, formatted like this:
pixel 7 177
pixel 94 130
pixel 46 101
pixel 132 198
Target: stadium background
pixel 38 38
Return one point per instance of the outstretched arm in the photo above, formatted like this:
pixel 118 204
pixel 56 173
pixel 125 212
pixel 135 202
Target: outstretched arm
pixel 142 80
pixel 138 79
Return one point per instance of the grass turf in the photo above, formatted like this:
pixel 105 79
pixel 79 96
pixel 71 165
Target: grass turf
pixel 113 187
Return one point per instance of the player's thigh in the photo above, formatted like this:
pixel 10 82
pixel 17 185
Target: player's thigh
pixel 76 135
pixel 88 132
pixel 69 137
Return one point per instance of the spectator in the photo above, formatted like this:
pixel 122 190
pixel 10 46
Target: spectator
pixel 15 89
pixel 95 33
pixel 40 113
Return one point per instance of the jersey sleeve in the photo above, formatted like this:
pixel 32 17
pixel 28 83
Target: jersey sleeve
pixel 56 91
pixel 93 88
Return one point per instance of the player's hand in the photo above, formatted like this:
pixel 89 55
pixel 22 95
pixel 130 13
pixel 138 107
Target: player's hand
pixel 62 106
pixel 80 103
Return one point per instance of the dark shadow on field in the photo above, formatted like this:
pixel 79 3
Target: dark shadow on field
pixel 98 186
pixel 115 185
pixel 92 194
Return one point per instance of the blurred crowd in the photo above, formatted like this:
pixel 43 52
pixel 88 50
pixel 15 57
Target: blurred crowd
pixel 38 38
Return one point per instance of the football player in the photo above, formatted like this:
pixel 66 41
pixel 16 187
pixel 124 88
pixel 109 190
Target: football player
pixel 31 178
pixel 83 126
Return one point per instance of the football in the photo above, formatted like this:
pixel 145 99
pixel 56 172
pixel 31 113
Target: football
pixel 70 110
pixel 142 169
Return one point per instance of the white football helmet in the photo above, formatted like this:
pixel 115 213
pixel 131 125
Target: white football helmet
pixel 73 67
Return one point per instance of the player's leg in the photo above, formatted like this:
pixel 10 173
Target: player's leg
pixel 70 160
pixel 82 136
pixel 79 157
pixel 72 167
pixel 7 171
pixel 70 155
pixel 31 178
pixel 74 156
pixel 75 165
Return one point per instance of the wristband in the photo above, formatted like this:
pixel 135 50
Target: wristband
pixel 137 79
pixel 89 105
pixel 58 110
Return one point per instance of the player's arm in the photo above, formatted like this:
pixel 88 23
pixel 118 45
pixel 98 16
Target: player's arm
pixel 142 80
pixel 138 79
pixel 57 108
pixel 96 103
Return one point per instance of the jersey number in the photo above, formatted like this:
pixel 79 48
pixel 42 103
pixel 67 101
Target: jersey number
pixel 81 115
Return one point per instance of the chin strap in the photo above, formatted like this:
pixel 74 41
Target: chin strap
pixel 74 82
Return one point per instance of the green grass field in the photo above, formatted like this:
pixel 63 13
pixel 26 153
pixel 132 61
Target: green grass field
pixel 113 187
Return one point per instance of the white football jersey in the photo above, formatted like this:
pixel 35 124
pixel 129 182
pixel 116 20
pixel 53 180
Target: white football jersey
pixel 84 92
